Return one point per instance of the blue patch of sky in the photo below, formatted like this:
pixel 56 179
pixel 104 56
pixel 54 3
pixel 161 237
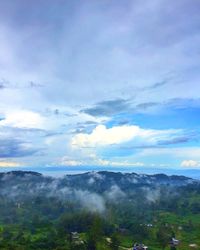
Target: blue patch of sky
pixel 179 118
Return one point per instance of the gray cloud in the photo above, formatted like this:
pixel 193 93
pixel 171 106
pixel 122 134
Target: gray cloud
pixel 145 105
pixel 20 142
pixel 184 138
pixel 124 58
pixel 52 133
pixel 108 108
pixel 112 107
pixel 32 84
pixel 180 139
pixel 158 84
pixel 6 84
pixel 84 127
pixel 16 148
pixel 180 103
pixel 173 103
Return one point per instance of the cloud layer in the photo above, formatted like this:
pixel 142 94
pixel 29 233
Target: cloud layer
pixel 104 83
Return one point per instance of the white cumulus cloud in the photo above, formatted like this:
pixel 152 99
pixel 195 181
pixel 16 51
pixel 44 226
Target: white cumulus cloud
pixel 190 163
pixel 102 136
pixel 23 119
pixel 93 160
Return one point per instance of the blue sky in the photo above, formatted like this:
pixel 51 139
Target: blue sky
pixel 104 84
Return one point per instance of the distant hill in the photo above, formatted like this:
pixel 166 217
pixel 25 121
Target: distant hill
pixel 139 205
pixel 98 182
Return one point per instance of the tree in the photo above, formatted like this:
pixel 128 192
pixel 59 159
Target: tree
pixel 95 234
pixel 115 241
pixel 163 237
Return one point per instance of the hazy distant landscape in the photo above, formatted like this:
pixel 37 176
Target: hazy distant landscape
pixel 105 210
pixel 61 171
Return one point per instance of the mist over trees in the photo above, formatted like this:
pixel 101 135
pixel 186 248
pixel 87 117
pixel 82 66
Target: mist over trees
pixel 97 211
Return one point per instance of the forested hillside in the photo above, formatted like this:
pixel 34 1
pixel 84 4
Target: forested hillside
pixel 98 210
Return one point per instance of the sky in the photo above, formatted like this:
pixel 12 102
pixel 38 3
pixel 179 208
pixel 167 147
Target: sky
pixel 104 84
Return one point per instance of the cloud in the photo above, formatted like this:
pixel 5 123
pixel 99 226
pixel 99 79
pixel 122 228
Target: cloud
pixel 23 119
pixel 108 108
pixel 102 162
pixel 190 163
pixel 170 104
pixel 125 106
pixel 177 140
pixel 182 103
pixel 135 71
pixel 158 84
pixel 67 161
pixel 92 201
pixel 102 136
pixel 145 105
pixel 115 193
pixel 192 152
pixel 4 84
pixel 152 195
pixel 114 107
pixel 9 164
pixel 93 160
pixel 16 148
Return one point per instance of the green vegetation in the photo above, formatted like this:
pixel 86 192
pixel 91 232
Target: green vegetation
pixel 37 220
